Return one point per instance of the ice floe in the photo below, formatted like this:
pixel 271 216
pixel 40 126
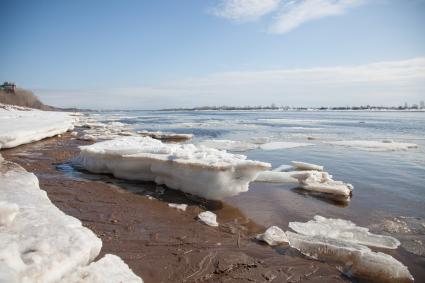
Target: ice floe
pixel 384 145
pixel 108 269
pixel 208 218
pixel 166 136
pixel 178 206
pixel 343 230
pixel 39 243
pixel 306 166
pixel 229 145
pixel 20 125
pixel 283 145
pixel 273 236
pixel 354 259
pixel 198 170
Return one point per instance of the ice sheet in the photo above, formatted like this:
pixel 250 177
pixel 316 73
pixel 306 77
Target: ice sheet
pixel 385 145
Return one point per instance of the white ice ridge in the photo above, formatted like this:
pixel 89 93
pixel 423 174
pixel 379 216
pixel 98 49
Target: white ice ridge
pixel 384 145
pixel 229 145
pixel 166 135
pixel 343 230
pixel 19 125
pixel 198 170
pixel 283 145
pixel 273 236
pixel 357 260
pixel 108 269
pixel 310 180
pixel 208 218
pixel 40 243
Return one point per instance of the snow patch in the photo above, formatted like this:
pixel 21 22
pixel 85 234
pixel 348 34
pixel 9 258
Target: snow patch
pixel 178 206
pixel 202 171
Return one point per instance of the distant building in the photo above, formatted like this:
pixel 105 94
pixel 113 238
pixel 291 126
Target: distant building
pixel 422 104
pixel 8 87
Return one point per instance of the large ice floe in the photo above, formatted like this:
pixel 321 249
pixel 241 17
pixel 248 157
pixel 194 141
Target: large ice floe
pixel 198 170
pixel 40 243
pixel 20 125
pixel 344 243
pixel 314 180
pixel 384 145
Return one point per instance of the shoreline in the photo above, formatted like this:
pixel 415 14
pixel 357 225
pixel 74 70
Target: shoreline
pixel 159 243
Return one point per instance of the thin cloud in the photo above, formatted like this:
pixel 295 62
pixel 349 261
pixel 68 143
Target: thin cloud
pixel 244 10
pixel 297 12
pixel 389 83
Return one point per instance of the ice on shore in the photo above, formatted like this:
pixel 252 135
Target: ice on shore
pixel 8 212
pixel 273 236
pixel 354 259
pixel 20 125
pixel 202 171
pixel 229 145
pixel 166 136
pixel 384 145
pixel 208 218
pixel 310 180
pixel 282 145
pixel 306 166
pixel 39 243
pixel 108 269
pixel 343 230
pixel 178 206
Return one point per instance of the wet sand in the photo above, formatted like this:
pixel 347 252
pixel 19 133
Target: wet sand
pixel 159 243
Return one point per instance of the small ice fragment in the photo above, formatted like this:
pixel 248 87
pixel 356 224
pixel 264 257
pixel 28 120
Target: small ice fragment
pixel 282 145
pixel 357 260
pixel 208 218
pixel 306 166
pixel 178 206
pixel 343 230
pixel 276 177
pixel 273 236
pixel 8 212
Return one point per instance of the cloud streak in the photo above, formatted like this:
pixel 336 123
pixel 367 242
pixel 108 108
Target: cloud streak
pixel 244 10
pixel 388 83
pixel 290 13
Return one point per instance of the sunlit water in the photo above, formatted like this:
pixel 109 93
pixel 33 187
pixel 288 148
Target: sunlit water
pixel 386 184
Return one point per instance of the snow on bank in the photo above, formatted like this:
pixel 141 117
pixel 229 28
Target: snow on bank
pixel 38 242
pixel 384 145
pixel 19 125
pixel 343 230
pixel 209 218
pixel 202 171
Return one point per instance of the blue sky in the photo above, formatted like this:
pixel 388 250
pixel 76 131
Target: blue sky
pixel 155 54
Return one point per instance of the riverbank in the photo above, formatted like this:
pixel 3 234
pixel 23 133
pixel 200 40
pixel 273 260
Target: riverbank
pixel 158 242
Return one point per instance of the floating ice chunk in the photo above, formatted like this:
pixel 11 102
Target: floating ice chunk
pixel 108 269
pixel 166 136
pixel 276 177
pixel 282 145
pixel 25 126
pixel 343 230
pixel 357 260
pixel 273 236
pixel 178 206
pixel 8 212
pixel 229 145
pixel 206 172
pixel 208 218
pixel 385 145
pixel 306 166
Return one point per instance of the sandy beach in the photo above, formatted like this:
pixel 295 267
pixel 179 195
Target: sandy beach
pixel 160 243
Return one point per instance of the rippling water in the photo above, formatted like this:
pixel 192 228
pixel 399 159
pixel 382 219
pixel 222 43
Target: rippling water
pixel 386 184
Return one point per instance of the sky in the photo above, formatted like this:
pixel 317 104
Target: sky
pixel 140 54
